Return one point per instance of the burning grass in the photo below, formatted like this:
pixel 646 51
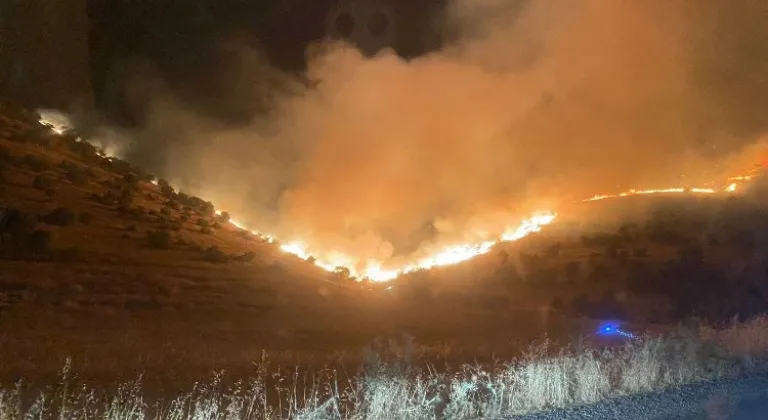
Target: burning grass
pixel 389 385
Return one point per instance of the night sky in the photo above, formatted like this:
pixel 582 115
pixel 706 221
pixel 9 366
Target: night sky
pixel 185 39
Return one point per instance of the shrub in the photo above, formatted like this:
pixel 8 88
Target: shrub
pixel 85 218
pixel 72 253
pixel 61 216
pixel 5 155
pixel 166 211
pixel 216 225
pixel 42 182
pixel 108 198
pixel 17 225
pixel 172 204
pixel 691 254
pixel 131 180
pixel 76 176
pixel 126 197
pixel 224 217
pixel 39 241
pixel 159 239
pixel 36 163
pixel 554 250
pixel 215 255
pixel 246 257
pixel 206 230
pixel 207 209
pixel 203 223
pixel 165 188
pixel 573 271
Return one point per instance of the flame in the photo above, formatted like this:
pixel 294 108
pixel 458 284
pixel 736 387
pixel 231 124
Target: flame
pixel 657 191
pixel 450 255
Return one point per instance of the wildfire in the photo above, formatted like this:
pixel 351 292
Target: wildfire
pixel 449 255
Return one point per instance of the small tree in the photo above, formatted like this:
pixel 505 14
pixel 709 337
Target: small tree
pixel 41 182
pixel 224 217
pixel 246 257
pixel 5 155
pixel 85 218
pixel 159 239
pixel 76 175
pixel 36 163
pixel 39 241
pixel 126 197
pixel 165 188
pixel 207 209
pixel 61 216
pixel 131 180
pixel 215 255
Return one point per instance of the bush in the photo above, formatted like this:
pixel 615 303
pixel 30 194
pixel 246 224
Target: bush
pixel 691 254
pixel 159 239
pixel 39 241
pixel 215 255
pixel 72 253
pixel 166 211
pixel 203 223
pixel 126 197
pixel 36 163
pixel 5 155
pixel 76 176
pixel 85 218
pixel 554 250
pixel 224 217
pixel 165 188
pixel 42 182
pixel 207 209
pixel 172 204
pixel 131 180
pixel 17 226
pixel 216 225
pixel 61 216
pixel 206 230
pixel 108 198
pixel 246 257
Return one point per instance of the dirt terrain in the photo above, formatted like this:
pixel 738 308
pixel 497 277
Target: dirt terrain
pixel 124 275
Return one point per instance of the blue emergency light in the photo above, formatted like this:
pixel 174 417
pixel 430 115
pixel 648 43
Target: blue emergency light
pixel 613 329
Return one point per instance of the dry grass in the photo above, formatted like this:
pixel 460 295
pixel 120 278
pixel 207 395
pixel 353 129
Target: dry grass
pixel 390 386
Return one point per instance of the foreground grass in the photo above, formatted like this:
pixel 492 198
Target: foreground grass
pixel 389 386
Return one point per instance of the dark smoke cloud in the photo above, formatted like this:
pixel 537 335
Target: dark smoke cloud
pixel 530 104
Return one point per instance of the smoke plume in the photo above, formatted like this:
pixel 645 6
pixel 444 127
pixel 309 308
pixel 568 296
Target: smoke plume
pixel 531 104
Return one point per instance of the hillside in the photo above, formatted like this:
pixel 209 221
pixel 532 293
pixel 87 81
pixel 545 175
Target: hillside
pixel 103 263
